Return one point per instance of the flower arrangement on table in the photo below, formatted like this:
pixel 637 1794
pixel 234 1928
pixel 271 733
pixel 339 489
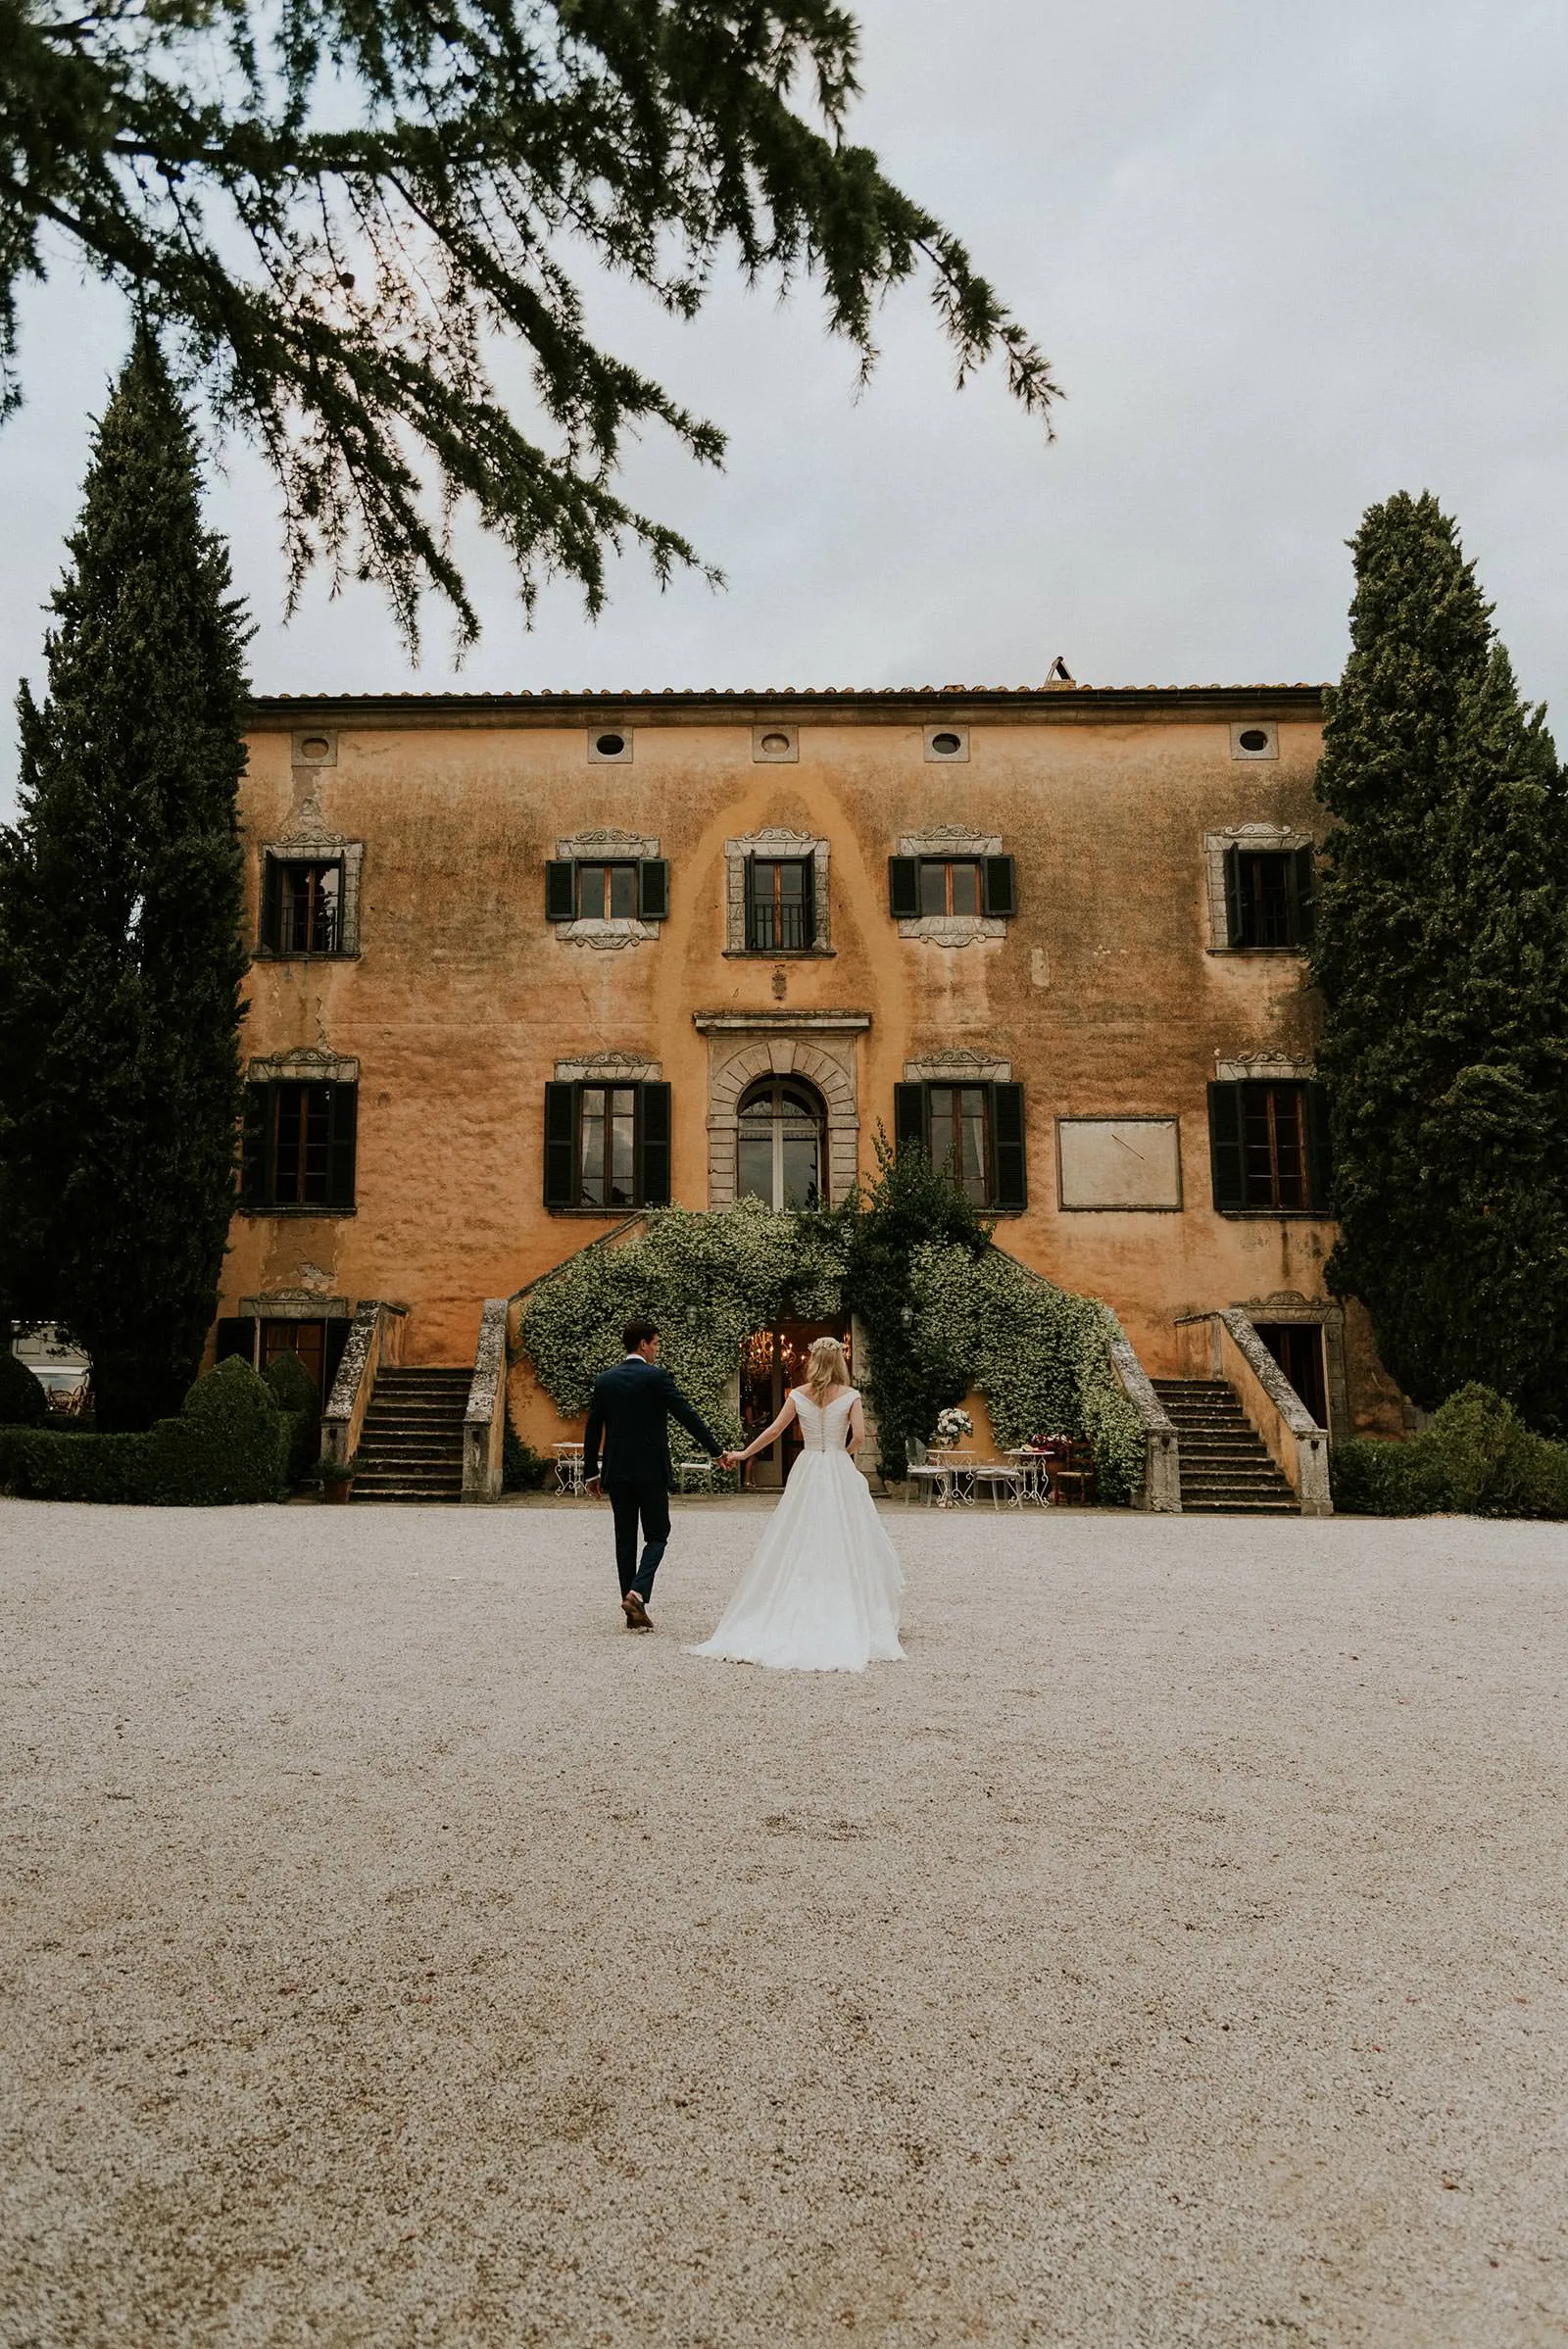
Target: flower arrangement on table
pixel 953 1426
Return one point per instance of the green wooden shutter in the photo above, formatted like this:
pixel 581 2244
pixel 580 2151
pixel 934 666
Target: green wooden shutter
pixel 908 1117
pixel 1303 890
pixel 236 1339
pixel 998 894
pixel 809 924
pixel 652 1126
pixel 903 888
pixel 561 1145
pixel 1319 1151
pixel 271 903
pixel 1009 1181
pixel 1225 1159
pixel 342 1131
pixel 1236 924
pixel 255 1188
pixel 652 889
pixel 561 891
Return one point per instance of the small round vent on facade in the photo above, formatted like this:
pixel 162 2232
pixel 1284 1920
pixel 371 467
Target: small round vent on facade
pixel 947 742
pixel 610 748
pixel 1255 741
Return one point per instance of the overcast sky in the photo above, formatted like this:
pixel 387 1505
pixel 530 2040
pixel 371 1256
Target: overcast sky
pixel 1286 260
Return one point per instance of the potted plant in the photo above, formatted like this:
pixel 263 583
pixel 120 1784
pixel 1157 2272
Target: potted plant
pixel 337 1480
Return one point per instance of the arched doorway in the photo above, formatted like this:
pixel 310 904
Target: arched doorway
pixel 781 1144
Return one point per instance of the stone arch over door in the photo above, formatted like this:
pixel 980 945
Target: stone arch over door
pixel 825 1055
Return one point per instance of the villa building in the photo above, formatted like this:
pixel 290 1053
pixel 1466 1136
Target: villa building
pixel 526 964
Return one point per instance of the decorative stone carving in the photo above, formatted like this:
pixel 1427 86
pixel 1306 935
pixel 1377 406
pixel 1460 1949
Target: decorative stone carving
pixel 606 845
pixel 608 1068
pixel 774 843
pixel 959 1064
pixel 1263 1068
pixel 306 1064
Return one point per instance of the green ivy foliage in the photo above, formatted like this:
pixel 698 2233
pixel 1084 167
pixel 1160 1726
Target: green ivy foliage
pixel 707 1280
pixel 977 1317
pixel 1039 1354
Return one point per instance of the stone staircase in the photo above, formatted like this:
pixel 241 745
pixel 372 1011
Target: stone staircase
pixel 411 1446
pixel 1225 1467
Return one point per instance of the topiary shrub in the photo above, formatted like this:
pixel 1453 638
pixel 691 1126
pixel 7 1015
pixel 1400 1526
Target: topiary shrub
pixel 294 1393
pixel 23 1400
pixel 1476 1459
pixel 230 1443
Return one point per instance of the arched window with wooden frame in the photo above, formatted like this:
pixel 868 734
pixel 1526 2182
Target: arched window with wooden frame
pixel 781 1145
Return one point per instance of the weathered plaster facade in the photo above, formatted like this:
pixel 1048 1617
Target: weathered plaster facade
pixel 1108 995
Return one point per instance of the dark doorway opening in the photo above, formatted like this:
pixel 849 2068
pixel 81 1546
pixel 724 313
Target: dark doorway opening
pixel 771 1363
pixel 1298 1349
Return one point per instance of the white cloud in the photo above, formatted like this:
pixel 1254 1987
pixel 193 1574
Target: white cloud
pixel 1286 261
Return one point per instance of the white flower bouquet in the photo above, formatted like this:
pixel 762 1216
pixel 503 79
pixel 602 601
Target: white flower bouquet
pixel 952 1425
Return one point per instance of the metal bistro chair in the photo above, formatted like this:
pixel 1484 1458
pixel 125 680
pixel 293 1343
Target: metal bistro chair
pixel 1004 1480
pixel 934 1479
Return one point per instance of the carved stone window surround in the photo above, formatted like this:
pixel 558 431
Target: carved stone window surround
pixel 816 1046
pixel 308 842
pixel 775 841
pixel 306 1064
pixel 1267 839
pixel 951 929
pixel 961 1067
pixel 606 846
pixel 609 1069
pixel 1263 1068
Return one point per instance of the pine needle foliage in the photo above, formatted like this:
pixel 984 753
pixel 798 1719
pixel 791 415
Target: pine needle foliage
pixel 1441 951
pixel 119 923
pixel 342 211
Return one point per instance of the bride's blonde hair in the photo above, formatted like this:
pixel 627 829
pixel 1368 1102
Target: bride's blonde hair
pixel 825 1368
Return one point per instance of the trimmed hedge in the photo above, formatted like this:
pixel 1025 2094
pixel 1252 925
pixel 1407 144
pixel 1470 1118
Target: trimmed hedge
pixel 1476 1459
pixel 294 1393
pixel 230 1443
pixel 23 1400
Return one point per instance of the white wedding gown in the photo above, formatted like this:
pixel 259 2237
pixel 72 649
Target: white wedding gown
pixel 822 1592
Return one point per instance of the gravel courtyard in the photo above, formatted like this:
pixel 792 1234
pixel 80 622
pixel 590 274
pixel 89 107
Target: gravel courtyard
pixel 396 1951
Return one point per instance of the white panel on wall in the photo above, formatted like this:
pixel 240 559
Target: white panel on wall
pixel 1119 1162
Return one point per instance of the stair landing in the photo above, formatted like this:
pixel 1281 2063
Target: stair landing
pixel 1226 1468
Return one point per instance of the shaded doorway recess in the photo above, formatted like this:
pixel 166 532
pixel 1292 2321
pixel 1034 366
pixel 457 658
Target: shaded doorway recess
pixel 1298 1349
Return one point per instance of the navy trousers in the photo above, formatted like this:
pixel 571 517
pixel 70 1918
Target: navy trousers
pixel 629 1504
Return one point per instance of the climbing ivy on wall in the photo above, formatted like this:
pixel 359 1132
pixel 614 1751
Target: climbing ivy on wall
pixel 1039 1354
pixel 709 1280
pixel 978 1319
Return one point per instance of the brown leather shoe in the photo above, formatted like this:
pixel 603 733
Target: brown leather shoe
pixel 637 1615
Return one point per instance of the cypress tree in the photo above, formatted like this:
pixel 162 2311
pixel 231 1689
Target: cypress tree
pixel 1442 952
pixel 119 919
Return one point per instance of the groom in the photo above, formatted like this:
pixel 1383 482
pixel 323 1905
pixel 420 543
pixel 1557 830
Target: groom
pixel 626 1418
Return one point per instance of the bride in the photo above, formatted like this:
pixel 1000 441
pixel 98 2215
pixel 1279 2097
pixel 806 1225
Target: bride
pixel 821 1594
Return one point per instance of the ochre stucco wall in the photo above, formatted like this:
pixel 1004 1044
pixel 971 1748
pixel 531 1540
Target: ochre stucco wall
pixel 1102 994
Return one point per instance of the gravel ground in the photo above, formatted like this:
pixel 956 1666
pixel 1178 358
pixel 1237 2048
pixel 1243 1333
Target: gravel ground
pixel 396 1951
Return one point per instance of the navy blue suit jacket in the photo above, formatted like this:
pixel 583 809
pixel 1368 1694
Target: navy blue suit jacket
pixel 628 1423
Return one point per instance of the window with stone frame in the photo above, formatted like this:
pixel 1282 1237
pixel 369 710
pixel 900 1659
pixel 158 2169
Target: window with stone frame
pixel 607 1141
pixel 1261 890
pixel 300 1147
pixel 952 886
pixel 972 1124
pixel 606 887
pixel 310 898
pixel 780 905
pixel 1269 1147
